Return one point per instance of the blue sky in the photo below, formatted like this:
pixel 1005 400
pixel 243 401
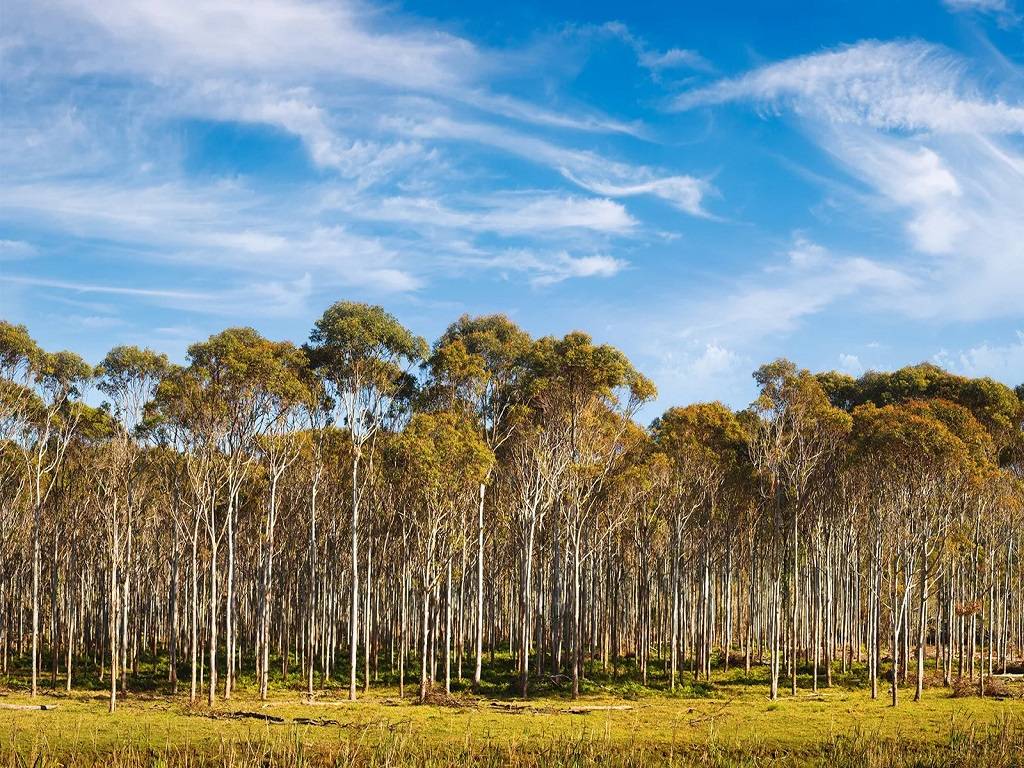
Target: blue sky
pixel 706 185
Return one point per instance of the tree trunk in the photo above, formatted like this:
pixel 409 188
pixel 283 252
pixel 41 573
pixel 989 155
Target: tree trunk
pixel 479 590
pixel 354 607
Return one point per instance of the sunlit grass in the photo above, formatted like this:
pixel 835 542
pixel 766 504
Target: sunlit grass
pixel 726 721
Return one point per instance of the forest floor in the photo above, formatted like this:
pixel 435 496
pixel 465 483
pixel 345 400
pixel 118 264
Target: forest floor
pixel 729 721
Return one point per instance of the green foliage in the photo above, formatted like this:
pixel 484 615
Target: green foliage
pixel 906 439
pixel 840 388
pixel 362 345
pixel 129 376
pixel 63 374
pixel 574 371
pixel 707 433
pixel 241 365
pixel 444 455
pixel 996 407
pixel 364 353
pixel 18 351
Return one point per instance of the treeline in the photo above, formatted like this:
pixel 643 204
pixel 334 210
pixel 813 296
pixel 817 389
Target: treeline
pixel 365 506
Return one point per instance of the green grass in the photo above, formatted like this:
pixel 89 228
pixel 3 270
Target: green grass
pixel 727 721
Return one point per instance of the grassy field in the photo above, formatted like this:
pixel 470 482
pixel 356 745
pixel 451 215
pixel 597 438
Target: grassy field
pixel 727 722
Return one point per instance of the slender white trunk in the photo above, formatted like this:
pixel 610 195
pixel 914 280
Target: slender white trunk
pixel 479 589
pixel 354 605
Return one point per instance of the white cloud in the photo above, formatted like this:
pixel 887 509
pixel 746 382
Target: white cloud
pixel 590 171
pixel 684 192
pixel 912 176
pixel 1004 362
pixel 272 297
pixel 777 300
pixel 704 349
pixel 276 37
pixel 222 226
pixel 653 60
pixel 1000 8
pixel 889 86
pixel 81 287
pixel 688 372
pixel 938 159
pixel 671 59
pixel 960 205
pixel 549 268
pixel 11 250
pixel 386 106
pixel 298 42
pixel 805 253
pixel 506 214
pixel 850 364
pixel 295 110
pixel 939 154
pixel 976 5
pixel 714 361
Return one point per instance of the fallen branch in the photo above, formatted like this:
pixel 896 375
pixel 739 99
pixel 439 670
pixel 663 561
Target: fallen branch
pixel 242 715
pixel 714 713
pixel 512 706
pixel 322 721
pixel 602 708
pixel 28 706
pixel 583 709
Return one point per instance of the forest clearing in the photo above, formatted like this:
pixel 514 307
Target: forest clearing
pixel 728 722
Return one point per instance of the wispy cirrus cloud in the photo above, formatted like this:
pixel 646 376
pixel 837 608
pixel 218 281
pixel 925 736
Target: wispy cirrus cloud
pixel 273 297
pixel 654 60
pixel 934 147
pixel 382 103
pixel 787 292
pixel 889 86
pixel 275 39
pixel 11 250
pixel 509 214
pixel 1002 10
pixel 995 6
pixel 705 348
pixel 220 226
pixel 935 158
pixel 550 268
pixel 584 168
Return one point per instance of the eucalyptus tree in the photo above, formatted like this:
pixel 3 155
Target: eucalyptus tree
pixel 187 409
pixel 240 371
pixel 316 410
pixel 910 455
pixel 272 385
pixel 365 355
pixel 638 495
pixel 169 426
pixel 534 466
pixel 707 448
pixel 795 432
pixel 78 538
pixel 40 417
pixel 129 377
pixel 18 352
pixel 444 459
pixel 516 468
pixel 481 361
pixel 594 391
